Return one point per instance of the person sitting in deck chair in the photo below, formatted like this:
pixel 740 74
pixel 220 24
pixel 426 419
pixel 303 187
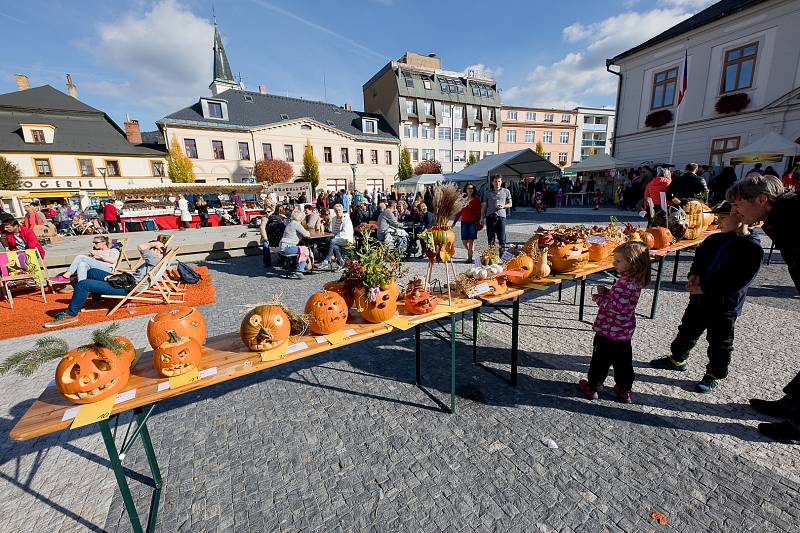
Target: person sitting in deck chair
pixel 97 284
pixel 103 257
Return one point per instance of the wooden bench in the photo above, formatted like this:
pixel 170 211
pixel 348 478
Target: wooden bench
pixel 287 261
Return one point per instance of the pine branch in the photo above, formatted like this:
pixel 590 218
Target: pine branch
pixel 27 362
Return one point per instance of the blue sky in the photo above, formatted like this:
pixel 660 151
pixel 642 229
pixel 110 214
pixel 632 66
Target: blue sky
pixel 150 58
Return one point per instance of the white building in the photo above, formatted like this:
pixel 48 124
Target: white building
pixel 595 131
pixel 739 51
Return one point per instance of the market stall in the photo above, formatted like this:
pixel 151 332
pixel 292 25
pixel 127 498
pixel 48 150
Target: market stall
pixel 771 148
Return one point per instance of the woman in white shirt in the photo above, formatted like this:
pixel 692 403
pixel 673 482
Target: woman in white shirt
pixel 342 229
pixel 186 216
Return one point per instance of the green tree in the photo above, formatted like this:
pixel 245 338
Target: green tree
pixel 310 170
pixel 180 168
pixel 539 148
pixel 404 168
pixel 10 175
pixel 471 160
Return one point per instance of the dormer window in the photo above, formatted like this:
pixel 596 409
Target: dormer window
pixel 38 133
pixel 38 136
pixel 214 109
pixel 284 116
pixel 305 127
pixel 369 125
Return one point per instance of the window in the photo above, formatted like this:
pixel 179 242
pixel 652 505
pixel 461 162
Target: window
pixel 284 116
pixel 566 118
pixel 427 83
pixel 112 168
pixel 267 149
pixel 191 148
pixel 428 155
pixel 43 167
pixel 444 156
pixel 407 131
pixel 359 156
pixel 458 112
pixel 475 134
pixel 414 154
pixel 327 154
pixel 216 147
pixel 336 184
pixel 511 136
pixel 459 134
pixel 408 79
pixel 369 126
pixel 563 137
pixel 547 137
pixel 388 158
pixel 664 84
pixel 244 151
pixel 375 184
pixel 530 115
pixel 459 156
pixel 738 67
pixel 215 110
pixel 157 168
pixel 487 154
pixel 87 168
pixel 488 135
pixel 444 134
pixel 411 107
pixel 427 132
pixel 288 152
pixel 511 115
pixel 446 111
pixel 429 108
pixel 548 117
pixel 38 136
pixel 530 136
pixel 547 155
pixel 476 155
pixel 306 127
pixel 373 157
pixel 410 131
pixel 719 147
pixel 345 155
pixel 562 157
pixel 450 85
pixel 483 90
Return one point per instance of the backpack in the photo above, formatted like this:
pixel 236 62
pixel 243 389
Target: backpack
pixel 188 274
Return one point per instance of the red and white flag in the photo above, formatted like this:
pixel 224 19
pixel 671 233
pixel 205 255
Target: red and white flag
pixel 684 76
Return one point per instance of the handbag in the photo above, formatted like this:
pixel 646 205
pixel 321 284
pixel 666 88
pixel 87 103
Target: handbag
pixel 122 280
pixel 188 274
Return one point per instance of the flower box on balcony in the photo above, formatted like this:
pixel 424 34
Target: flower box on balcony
pixel 656 119
pixel 732 103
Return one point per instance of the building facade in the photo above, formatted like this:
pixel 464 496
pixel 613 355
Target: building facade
pixel 226 134
pixel 524 127
pixel 595 131
pixel 70 152
pixel 743 81
pixel 438 114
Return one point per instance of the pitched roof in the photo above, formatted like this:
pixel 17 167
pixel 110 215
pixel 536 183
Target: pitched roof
pixel 80 129
pixel 517 163
pixel 248 109
pixel 710 14
pixel 222 69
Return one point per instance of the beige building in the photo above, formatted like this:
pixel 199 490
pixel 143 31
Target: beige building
pixel 439 114
pixel 524 127
pixel 227 133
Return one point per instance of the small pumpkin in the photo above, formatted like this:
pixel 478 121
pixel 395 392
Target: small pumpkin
pixel 185 321
pixel 265 327
pixel 600 251
pixel 177 355
pixel 382 307
pixel 541 266
pixel 568 257
pixel 497 286
pixel 662 237
pixel 91 373
pixel 343 290
pixel 419 300
pixel 647 239
pixel 327 312
pixel 524 265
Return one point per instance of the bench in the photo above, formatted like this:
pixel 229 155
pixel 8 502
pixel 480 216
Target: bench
pixel 287 261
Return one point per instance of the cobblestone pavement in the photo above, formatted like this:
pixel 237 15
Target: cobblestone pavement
pixel 345 442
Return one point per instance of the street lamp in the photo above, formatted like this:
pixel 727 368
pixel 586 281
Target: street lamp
pixel 102 171
pixel 353 168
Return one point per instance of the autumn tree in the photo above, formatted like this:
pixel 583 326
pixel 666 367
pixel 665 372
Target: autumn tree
pixel 273 171
pixel 471 159
pixel 310 170
pixel 428 167
pixel 404 169
pixel 10 175
pixel 180 168
pixel 539 148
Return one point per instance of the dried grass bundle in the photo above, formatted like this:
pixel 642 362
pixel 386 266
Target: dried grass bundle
pixel 531 248
pixel 447 201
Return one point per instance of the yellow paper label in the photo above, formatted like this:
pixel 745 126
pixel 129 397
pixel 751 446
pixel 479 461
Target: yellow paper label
pixel 399 323
pixel 93 412
pixel 184 379
pixel 444 308
pixel 337 337
pixel 275 353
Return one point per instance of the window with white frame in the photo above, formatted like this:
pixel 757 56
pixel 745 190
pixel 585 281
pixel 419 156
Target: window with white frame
pixel 530 115
pixel 563 137
pixel 458 112
pixel 459 134
pixel 562 157
pixel 369 125
pixel 428 108
pixel 488 135
pixel 566 118
pixel 428 154
pixel 511 136
pixel 446 110
pixel 530 136
pixel 427 132
pixel 511 115
pixel 414 152
pixel 444 134
pixel 475 134
pixel 476 154
pixel 487 154
pixel 411 107
pixel 548 117
pixel 459 156
pixel 407 131
pixel 547 137
pixel 547 155
pixel 444 156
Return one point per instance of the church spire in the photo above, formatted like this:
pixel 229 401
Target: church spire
pixel 223 77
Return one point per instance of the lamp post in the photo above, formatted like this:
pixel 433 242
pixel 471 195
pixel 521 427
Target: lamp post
pixel 102 171
pixel 353 168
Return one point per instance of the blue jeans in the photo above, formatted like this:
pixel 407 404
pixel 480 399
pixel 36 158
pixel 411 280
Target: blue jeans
pixel 496 227
pixel 267 254
pixel 301 265
pixel 335 249
pixel 93 284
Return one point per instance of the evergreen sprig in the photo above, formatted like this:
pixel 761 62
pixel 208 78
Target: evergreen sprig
pixel 105 338
pixel 27 362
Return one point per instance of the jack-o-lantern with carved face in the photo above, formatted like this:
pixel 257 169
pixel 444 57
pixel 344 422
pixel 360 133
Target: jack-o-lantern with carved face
pixel 91 373
pixel 377 305
pixel 327 312
pixel 522 264
pixel 264 328
pixel 419 300
pixel 185 321
pixel 177 355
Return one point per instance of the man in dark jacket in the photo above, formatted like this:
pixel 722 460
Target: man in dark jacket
pixel 688 185
pixel 756 198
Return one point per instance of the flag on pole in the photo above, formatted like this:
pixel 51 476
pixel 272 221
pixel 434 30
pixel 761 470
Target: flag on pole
pixel 684 76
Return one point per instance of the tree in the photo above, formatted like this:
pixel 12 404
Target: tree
pixel 273 171
pixel 404 170
pixel 471 160
pixel 428 167
pixel 310 170
pixel 10 175
pixel 539 148
pixel 180 168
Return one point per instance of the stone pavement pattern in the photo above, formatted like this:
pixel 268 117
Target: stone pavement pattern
pixel 346 442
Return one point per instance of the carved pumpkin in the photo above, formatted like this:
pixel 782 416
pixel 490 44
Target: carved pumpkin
pixel 695 219
pixel 382 308
pixel 647 239
pixel 177 355
pixel 418 300
pixel 264 328
pixel 92 373
pixel 497 286
pixel 600 251
pixel 568 257
pixel 520 263
pixel 541 266
pixel 662 237
pixel 343 290
pixel 185 321
pixel 327 312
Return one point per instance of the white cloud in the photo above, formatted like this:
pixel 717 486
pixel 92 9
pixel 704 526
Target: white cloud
pixel 492 72
pixel 580 76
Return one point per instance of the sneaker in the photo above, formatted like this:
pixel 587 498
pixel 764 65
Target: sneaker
pixel 776 408
pixel 782 432
pixel 622 395
pixel 62 319
pixel 586 390
pixel 707 384
pixel 59 280
pixel 668 363
pixel 296 275
pixel 323 265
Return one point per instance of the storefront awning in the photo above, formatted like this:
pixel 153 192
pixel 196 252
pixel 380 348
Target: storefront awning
pixel 189 188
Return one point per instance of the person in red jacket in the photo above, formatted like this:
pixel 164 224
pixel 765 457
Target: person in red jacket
pixel 658 185
pixel 111 217
pixel 16 237
pixel 469 216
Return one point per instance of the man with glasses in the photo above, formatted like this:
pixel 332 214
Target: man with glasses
pixel 102 257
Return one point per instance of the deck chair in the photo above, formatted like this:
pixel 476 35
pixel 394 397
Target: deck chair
pixel 121 244
pixel 15 272
pixel 153 287
pixel 164 239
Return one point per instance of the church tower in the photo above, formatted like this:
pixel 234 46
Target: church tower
pixel 223 77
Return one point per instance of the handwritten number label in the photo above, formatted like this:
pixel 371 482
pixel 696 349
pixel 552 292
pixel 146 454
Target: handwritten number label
pixel 184 379
pixel 93 412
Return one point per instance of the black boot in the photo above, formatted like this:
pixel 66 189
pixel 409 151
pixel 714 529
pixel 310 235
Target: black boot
pixel 776 408
pixel 782 432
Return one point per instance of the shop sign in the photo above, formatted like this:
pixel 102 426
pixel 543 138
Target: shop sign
pixel 290 189
pixel 56 184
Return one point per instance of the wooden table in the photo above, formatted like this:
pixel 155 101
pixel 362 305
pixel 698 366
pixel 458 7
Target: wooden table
pixel 224 358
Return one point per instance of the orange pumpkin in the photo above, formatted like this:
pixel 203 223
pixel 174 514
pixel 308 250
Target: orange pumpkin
pixel 343 290
pixel 177 355
pixel 91 373
pixel 265 327
pixel 497 286
pixel 327 312
pixel 520 263
pixel 647 239
pixel 662 237
pixel 185 321
pixel 600 251
pixel 382 308
pixel 418 300
pixel 568 257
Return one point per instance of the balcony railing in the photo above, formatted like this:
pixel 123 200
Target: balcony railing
pixel 595 127
pixel 589 144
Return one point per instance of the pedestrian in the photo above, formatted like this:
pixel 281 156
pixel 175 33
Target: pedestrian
pixel 724 266
pixel 688 185
pixel 791 180
pixel 110 217
pixel 616 322
pixel 493 211
pixel 469 215
pixel 185 215
pixel 720 185
pixel 660 183
pixel 32 217
pixel 758 198
pixel 202 211
pixel 290 242
pixel 266 251
pixel 756 169
pixel 346 199
pixel 62 220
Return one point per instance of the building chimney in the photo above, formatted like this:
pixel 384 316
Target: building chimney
pixel 23 84
pixel 262 88
pixel 132 130
pixel 347 106
pixel 72 89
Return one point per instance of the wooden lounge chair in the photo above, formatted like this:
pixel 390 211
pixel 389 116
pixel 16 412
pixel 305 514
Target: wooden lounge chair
pixel 121 244
pixel 154 287
pixel 27 279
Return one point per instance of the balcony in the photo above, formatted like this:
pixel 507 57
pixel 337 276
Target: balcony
pixel 592 144
pixel 595 127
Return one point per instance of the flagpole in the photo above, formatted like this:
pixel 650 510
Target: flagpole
pixel 674 133
pixel 681 94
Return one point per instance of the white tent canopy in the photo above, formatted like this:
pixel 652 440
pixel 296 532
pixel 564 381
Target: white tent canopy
pixel 515 164
pixel 769 147
pixel 418 183
pixel 601 161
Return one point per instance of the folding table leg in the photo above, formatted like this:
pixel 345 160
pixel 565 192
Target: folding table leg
pixel 675 267
pixel 417 352
pixel 514 340
pixel 452 364
pixel 476 324
pixel 583 296
pixel 657 286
